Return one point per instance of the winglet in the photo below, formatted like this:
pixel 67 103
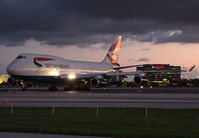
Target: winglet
pixel 191 68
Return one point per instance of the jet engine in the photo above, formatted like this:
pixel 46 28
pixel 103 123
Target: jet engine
pixel 96 82
pixel 12 82
pixel 140 79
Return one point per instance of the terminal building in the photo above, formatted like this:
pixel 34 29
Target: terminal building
pixel 160 78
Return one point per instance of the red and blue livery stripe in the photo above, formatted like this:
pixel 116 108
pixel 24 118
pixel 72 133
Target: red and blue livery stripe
pixel 36 59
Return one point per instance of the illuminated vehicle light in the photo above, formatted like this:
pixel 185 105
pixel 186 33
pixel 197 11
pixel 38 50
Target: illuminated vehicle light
pixel 71 76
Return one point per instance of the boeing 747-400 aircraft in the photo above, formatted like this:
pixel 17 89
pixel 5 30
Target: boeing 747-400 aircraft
pixel 29 67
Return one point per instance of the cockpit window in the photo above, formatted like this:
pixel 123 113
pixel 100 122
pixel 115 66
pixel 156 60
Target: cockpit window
pixel 19 57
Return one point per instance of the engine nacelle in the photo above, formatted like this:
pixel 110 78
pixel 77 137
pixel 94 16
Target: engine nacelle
pixel 140 79
pixel 98 82
pixel 12 82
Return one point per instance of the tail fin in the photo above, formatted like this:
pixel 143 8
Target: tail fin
pixel 113 53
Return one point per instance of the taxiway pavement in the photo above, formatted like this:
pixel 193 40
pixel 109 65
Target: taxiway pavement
pixel 181 100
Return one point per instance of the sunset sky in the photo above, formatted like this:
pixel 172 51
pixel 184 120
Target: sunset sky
pixel 153 31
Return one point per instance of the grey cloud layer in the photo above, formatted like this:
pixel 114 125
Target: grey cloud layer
pixel 143 59
pixel 82 22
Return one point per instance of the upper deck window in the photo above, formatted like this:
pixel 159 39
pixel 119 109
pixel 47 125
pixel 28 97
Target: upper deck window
pixel 19 57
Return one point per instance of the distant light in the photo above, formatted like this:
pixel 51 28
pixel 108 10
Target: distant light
pixel 71 76
pixel 157 67
pixel 165 79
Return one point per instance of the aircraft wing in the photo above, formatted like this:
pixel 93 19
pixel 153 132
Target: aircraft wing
pixel 124 67
pixel 123 73
pixel 80 76
pixel 140 73
pixel 86 76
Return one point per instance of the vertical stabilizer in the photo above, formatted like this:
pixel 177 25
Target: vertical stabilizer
pixel 113 53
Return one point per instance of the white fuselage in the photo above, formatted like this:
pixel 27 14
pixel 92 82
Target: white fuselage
pixel 46 65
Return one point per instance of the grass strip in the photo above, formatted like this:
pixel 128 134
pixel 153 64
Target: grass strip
pixel 112 122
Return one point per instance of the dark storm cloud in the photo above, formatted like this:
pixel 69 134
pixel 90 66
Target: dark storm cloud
pixel 83 22
pixel 143 59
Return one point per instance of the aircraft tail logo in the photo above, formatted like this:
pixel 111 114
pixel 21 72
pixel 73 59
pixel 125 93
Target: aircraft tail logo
pixel 113 53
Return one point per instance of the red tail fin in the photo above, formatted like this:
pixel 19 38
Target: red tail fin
pixel 113 53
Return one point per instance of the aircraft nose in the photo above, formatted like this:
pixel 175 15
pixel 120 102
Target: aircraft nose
pixel 10 69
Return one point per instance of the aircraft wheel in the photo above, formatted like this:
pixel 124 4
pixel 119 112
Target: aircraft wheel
pixel 84 88
pixel 68 88
pixel 53 88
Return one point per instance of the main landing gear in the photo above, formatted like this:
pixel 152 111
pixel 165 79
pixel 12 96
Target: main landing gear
pixel 78 86
pixel 53 88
